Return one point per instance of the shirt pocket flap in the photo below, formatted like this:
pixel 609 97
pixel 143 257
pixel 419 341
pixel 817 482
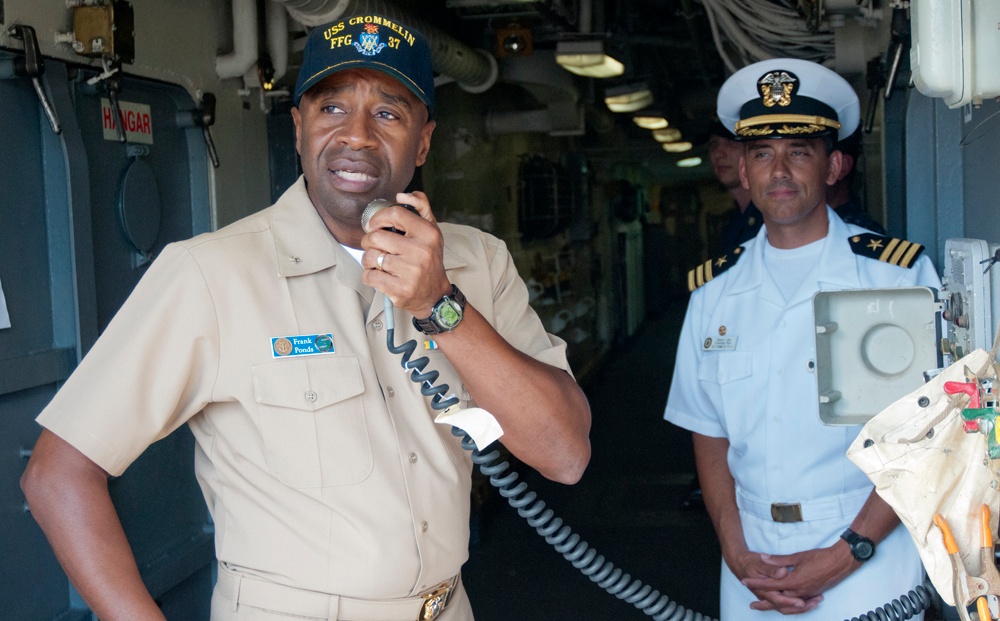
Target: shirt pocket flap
pixel 308 384
pixel 723 368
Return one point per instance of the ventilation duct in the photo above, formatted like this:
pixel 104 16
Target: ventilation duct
pixel 551 86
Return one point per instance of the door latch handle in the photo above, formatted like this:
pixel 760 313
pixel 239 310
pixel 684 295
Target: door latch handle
pixel 33 66
pixel 206 119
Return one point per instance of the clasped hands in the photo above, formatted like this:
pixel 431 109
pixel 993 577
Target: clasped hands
pixel 793 583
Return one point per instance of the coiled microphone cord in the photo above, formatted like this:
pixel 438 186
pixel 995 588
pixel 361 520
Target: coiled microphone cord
pixel 906 607
pixel 561 537
pixel 543 520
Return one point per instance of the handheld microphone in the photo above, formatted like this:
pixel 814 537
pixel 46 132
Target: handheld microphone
pixel 373 208
pixel 378 205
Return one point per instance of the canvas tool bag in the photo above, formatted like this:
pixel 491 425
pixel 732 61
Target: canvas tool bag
pixel 923 462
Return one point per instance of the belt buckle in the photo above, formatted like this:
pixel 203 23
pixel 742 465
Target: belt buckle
pixel 435 601
pixel 786 512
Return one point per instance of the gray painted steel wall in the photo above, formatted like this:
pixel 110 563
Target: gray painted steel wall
pixel 66 266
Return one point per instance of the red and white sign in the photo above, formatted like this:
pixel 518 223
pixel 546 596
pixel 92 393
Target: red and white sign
pixel 135 118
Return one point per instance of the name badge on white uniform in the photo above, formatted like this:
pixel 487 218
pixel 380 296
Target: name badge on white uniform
pixel 719 343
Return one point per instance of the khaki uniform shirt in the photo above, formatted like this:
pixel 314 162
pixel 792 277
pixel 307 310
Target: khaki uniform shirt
pixel 323 472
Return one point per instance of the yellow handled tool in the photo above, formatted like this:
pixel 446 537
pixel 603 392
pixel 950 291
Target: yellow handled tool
pixel 965 588
pixel 959 577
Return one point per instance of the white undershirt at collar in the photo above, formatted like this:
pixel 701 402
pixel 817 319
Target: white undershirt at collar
pixel 354 252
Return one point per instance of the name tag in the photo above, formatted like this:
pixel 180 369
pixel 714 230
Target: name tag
pixel 305 345
pixel 720 343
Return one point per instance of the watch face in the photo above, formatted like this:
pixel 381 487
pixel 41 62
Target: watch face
pixel 863 550
pixel 449 315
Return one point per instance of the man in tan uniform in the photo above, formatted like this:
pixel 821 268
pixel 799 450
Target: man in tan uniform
pixel 333 492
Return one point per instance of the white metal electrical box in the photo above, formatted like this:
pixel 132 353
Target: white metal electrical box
pixel 954 49
pixel 971 292
pixel 872 347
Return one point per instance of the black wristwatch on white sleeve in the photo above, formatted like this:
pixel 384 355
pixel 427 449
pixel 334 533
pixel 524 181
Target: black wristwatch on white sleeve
pixel 862 548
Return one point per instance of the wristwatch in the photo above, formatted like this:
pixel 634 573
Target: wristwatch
pixel 446 314
pixel 862 548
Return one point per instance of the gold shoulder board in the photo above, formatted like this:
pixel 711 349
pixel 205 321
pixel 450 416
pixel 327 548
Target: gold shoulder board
pixel 890 250
pixel 712 268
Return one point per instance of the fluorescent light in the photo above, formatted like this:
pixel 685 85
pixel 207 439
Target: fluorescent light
pixel 670 134
pixel 676 147
pixel 628 98
pixel 689 162
pixel 650 122
pixel 587 58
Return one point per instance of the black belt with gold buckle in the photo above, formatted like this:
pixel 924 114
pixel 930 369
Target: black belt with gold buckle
pixel 436 600
pixel 786 512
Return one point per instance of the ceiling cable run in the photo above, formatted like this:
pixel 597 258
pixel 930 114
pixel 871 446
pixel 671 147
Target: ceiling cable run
pixel 760 29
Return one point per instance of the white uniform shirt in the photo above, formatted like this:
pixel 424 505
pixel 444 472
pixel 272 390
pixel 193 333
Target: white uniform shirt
pixel 756 387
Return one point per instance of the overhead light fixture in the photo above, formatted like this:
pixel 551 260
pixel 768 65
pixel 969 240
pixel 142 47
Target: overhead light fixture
pixel 688 162
pixel 676 147
pixel 628 98
pixel 513 40
pixel 670 134
pixel 587 58
pixel 650 121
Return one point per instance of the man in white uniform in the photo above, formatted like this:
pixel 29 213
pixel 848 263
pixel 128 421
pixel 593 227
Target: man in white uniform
pixel 798 524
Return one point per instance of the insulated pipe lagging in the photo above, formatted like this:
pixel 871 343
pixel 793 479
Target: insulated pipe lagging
pixel 244 42
pixel 277 38
pixel 472 69
pixel 315 12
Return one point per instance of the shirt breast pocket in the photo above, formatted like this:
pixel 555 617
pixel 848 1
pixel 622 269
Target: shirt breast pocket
pixel 727 378
pixel 312 420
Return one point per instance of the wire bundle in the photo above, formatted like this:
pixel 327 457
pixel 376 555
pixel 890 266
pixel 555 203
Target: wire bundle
pixel 761 29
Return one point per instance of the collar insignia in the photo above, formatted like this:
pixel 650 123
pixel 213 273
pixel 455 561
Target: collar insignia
pixel 777 87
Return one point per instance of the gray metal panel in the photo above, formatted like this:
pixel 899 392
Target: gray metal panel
pixel 947 219
pixel 31 583
pixel 981 159
pixel 66 267
pixel 24 263
pixel 199 164
pixel 933 209
pixel 158 499
pixel 897 115
pixel 115 259
pixel 67 207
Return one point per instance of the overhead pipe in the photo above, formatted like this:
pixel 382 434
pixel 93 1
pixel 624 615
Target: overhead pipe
pixel 277 38
pixel 244 41
pixel 473 70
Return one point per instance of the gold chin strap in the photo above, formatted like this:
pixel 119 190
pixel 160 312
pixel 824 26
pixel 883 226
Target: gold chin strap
pixel 766 119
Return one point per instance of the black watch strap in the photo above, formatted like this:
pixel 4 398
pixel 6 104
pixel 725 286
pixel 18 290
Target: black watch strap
pixel 862 548
pixel 431 325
